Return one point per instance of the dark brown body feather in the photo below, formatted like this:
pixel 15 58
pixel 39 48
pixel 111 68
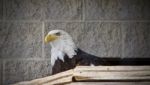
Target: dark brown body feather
pixel 84 59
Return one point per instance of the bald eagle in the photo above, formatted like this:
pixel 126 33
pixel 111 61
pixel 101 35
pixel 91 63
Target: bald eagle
pixel 66 55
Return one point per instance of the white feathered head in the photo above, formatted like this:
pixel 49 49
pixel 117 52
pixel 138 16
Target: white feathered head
pixel 61 43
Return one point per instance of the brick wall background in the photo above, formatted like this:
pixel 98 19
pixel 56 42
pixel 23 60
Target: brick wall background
pixel 106 28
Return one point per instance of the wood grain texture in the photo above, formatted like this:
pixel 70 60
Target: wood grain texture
pixel 124 75
pixel 54 79
pixel 109 83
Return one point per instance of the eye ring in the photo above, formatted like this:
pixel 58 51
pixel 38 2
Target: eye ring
pixel 58 33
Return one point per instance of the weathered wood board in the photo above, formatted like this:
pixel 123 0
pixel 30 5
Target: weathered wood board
pixel 109 83
pixel 97 75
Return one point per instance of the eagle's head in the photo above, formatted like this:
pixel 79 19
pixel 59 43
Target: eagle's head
pixel 61 43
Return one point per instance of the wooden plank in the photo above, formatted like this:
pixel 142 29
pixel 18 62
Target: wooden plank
pixel 60 81
pixel 129 75
pixel 53 78
pixel 109 83
pixel 112 68
pixel 112 73
pixel 60 77
pixel 98 73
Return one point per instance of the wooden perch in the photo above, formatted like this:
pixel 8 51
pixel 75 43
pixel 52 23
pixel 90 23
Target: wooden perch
pixel 95 73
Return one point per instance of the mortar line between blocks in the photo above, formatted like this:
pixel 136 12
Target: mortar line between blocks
pixel 25 59
pixel 122 43
pixel 3 17
pixel 83 10
pixel 37 21
pixel 1 62
pixel 43 45
pixel 116 20
pixel 83 15
pixel 75 21
pixel 3 72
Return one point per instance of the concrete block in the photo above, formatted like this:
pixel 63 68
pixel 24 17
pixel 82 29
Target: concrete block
pixel 63 10
pixel 21 40
pixel 23 70
pixel 101 39
pixel 117 9
pixel 136 39
pixel 24 9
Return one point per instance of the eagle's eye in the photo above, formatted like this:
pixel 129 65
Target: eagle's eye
pixel 58 33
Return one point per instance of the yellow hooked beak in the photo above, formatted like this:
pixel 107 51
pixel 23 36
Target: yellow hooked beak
pixel 49 38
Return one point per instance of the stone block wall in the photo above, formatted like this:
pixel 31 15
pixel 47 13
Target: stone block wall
pixel 106 28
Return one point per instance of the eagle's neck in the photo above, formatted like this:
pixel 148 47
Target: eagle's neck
pixel 62 47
